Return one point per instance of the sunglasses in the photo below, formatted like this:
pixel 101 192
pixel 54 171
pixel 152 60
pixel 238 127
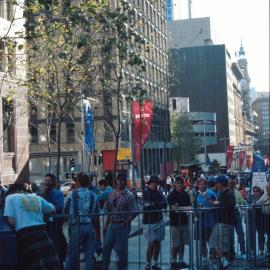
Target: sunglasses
pixel 256 190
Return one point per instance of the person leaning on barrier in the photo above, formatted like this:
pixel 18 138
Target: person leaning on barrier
pixel 153 225
pixel 55 226
pixel 178 222
pixel 84 202
pixel 206 218
pixel 238 226
pixel 265 202
pixel 106 190
pixel 25 212
pixel 220 239
pixel 121 209
pixel 256 222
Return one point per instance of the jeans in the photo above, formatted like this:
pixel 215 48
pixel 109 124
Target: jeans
pixel 87 240
pixel 117 238
pixel 239 230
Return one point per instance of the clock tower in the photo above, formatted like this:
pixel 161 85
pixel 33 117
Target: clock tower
pixel 245 84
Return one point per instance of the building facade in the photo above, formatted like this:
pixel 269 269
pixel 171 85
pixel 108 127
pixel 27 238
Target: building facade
pixel 262 120
pixel 14 147
pixel 156 153
pixel 151 17
pixel 207 75
pixel 190 33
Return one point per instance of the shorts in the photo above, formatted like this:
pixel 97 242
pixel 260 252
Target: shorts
pixel 220 237
pixel 179 236
pixel 154 232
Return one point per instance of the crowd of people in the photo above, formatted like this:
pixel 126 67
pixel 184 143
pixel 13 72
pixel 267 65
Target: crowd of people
pixel 214 204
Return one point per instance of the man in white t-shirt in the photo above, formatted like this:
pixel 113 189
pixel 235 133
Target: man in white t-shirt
pixel 25 212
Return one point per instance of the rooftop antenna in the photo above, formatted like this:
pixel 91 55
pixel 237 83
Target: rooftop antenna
pixel 189 9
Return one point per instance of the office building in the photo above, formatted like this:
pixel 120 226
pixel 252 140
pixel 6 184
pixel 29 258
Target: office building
pixel 190 33
pixel 151 16
pixel 262 121
pixel 14 148
pixel 211 81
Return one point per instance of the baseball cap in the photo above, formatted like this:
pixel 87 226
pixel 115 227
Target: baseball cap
pixel 222 179
pixel 153 179
pixel 179 179
pixel 122 176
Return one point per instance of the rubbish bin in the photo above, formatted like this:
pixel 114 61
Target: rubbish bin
pixel 8 250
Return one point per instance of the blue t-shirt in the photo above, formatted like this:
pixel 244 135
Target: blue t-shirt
pixel 204 197
pixel 207 218
pixel 104 195
pixel 56 198
pixel 26 209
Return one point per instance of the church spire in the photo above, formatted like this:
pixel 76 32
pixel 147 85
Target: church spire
pixel 242 51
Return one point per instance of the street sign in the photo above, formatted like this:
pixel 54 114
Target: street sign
pixel 124 154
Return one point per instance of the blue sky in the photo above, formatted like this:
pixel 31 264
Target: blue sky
pixel 233 20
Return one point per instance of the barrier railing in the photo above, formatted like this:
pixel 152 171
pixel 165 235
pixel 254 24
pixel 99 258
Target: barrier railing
pixel 202 238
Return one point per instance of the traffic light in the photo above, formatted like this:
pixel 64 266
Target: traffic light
pixel 100 160
pixel 95 160
pixel 71 163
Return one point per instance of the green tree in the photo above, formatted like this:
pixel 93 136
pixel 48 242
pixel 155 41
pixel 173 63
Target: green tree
pixel 63 57
pixel 186 145
pixel 122 66
pixel 214 167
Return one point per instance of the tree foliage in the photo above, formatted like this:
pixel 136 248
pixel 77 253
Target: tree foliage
pixel 83 49
pixel 63 56
pixel 186 145
pixel 122 65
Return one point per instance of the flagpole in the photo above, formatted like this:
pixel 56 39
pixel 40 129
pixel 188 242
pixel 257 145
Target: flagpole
pixel 82 131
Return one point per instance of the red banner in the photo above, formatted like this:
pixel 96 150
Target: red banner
pixel 242 157
pixel 142 120
pixel 266 161
pixel 229 156
pixel 249 161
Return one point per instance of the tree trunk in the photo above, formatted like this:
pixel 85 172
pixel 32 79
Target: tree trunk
pixel 58 157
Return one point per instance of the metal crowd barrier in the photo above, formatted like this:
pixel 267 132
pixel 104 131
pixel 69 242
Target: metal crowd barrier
pixel 249 240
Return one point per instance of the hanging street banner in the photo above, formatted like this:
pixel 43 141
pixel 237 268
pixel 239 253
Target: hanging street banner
pixel 259 170
pixel 229 156
pixel 242 157
pixel 89 138
pixel 124 153
pixel 258 164
pixel 142 123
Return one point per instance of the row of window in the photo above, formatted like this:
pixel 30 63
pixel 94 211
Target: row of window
pixel 70 134
pixel 207 134
pixel 7 9
pixel 8 57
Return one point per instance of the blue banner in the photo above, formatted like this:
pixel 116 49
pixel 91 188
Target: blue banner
pixel 89 138
pixel 258 164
